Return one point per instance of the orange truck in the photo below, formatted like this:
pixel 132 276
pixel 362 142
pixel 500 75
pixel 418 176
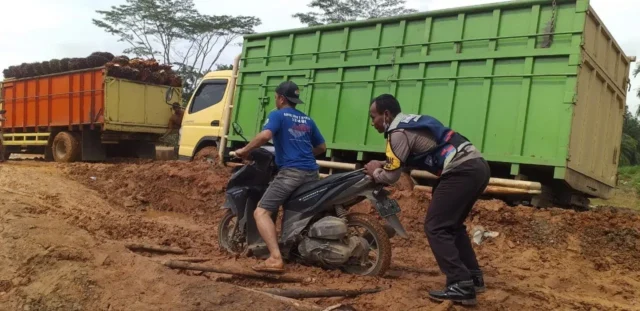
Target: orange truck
pixel 84 115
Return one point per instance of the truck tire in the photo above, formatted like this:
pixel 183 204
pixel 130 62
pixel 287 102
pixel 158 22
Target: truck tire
pixel 65 147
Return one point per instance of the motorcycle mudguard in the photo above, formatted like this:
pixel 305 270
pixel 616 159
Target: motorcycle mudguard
pixel 235 200
pixel 395 223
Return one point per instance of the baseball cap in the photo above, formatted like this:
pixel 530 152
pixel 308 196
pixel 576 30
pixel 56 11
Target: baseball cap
pixel 291 91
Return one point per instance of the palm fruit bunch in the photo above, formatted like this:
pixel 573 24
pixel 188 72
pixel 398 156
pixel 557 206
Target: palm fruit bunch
pixel 136 69
pixel 121 60
pixel 144 70
pixel 77 63
pixel 54 64
pixel 64 64
pixel 114 69
pixel 175 81
pixel 152 64
pixel 27 70
pixel 137 63
pixel 99 59
pixel 106 55
pixel 145 75
pixel 12 72
pixel 45 67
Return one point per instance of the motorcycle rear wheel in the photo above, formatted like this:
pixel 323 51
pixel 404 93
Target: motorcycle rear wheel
pixel 226 232
pixel 382 245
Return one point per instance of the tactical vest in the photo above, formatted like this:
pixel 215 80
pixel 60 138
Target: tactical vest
pixel 447 142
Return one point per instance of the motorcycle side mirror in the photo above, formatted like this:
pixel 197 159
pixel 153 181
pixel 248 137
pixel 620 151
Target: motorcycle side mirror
pixel 238 130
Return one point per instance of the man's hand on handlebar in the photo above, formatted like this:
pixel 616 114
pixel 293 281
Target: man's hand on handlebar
pixel 242 153
pixel 372 166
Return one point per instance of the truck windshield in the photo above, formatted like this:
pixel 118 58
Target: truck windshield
pixel 209 93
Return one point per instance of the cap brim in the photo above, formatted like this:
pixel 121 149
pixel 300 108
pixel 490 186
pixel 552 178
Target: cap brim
pixel 294 100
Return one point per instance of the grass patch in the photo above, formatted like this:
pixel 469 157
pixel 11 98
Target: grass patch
pixel 630 176
pixel 627 194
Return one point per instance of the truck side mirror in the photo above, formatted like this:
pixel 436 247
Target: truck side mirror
pixel 237 128
pixel 168 95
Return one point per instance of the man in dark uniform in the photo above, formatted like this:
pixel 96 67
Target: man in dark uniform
pixel 424 143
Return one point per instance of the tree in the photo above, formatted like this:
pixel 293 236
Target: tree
pixel 338 11
pixel 224 67
pixel 176 33
pixel 636 72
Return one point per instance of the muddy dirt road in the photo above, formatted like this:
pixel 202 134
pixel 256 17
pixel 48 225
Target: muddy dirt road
pixel 63 229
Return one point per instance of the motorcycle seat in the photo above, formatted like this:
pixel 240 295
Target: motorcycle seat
pixel 308 187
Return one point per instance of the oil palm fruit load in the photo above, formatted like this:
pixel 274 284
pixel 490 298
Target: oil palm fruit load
pixel 137 69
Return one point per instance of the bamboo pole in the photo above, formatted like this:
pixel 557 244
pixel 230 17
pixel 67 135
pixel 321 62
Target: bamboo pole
pixel 491 190
pixel 336 165
pixel 498 182
pixel 226 114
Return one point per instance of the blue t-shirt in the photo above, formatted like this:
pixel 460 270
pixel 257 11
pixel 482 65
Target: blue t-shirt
pixel 294 137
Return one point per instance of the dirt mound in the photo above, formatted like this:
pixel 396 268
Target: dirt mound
pixel 191 188
pixel 542 259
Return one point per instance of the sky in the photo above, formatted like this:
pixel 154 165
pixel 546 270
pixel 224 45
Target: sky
pixel 63 28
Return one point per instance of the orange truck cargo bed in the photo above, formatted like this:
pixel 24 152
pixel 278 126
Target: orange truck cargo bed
pixel 84 115
pixel 66 99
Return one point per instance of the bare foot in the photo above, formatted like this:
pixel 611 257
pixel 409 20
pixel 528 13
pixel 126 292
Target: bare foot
pixel 270 265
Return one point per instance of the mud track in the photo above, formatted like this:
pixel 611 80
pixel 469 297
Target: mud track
pixel 63 229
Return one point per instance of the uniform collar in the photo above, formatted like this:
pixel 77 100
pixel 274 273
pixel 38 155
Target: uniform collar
pixel 394 124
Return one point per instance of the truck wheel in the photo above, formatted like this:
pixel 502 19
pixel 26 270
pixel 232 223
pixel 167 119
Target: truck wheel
pixel 65 148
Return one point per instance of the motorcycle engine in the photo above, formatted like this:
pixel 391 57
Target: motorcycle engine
pixel 326 244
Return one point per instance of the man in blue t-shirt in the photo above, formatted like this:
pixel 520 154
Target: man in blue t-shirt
pixel 297 141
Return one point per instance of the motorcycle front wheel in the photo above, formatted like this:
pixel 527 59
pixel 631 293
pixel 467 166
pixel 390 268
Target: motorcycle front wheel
pixel 379 255
pixel 229 238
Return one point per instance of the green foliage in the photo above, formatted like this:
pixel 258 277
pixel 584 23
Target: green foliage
pixel 224 67
pixel 338 11
pixel 630 146
pixel 176 33
pixel 630 175
pixel 636 72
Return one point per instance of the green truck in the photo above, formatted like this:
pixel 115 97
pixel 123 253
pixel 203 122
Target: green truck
pixel 538 85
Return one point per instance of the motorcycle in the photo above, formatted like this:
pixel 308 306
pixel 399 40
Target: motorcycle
pixel 317 227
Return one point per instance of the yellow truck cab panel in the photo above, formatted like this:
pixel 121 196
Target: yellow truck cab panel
pixel 203 122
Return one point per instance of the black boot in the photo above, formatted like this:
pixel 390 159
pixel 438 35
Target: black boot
pixel 478 281
pixel 461 292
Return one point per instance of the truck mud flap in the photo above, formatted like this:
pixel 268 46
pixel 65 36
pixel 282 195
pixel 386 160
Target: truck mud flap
pixel 92 148
pixel 146 151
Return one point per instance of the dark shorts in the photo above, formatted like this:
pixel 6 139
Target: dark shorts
pixel 287 181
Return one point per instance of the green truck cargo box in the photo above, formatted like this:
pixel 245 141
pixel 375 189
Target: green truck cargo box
pixel 539 85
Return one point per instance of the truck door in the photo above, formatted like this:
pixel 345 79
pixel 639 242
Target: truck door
pixel 203 117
